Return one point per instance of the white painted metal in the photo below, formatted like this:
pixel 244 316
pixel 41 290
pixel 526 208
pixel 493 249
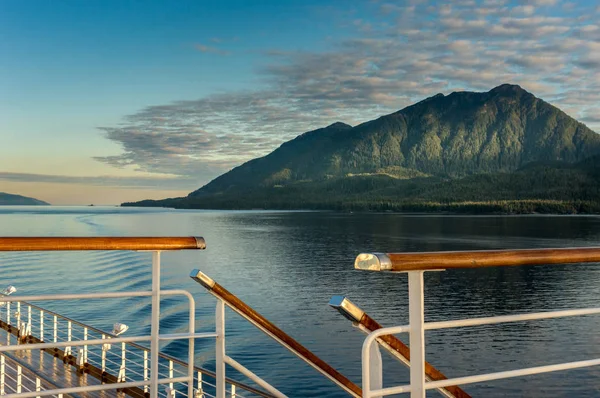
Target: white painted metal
pixel 376 375
pixel 416 318
pixel 220 349
pixel 85 347
pixel 69 336
pixel 42 325
pixel 2 373
pixel 233 394
pixel 19 379
pixel 249 374
pixel 55 329
pixel 121 377
pixel 145 369
pixel 154 344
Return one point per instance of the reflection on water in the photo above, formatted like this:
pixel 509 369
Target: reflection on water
pixel 289 264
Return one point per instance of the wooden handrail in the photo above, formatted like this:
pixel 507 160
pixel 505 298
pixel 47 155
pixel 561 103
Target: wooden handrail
pixel 391 342
pixel 100 243
pixel 275 333
pixel 474 259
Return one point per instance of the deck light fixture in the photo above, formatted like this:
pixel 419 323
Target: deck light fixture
pixel 10 289
pixel 119 328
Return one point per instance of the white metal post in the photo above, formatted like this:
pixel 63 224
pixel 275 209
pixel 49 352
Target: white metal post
pixel 18 314
pixel 42 325
pixel 233 394
pixel 2 370
pixel 85 347
pixel 145 369
pixel 171 369
pixel 121 378
pixel 55 329
pixel 376 367
pixel 19 379
pixel 416 318
pixel 69 334
pixel 29 315
pixel 220 349
pixel 154 346
pixel 38 385
pixel 104 347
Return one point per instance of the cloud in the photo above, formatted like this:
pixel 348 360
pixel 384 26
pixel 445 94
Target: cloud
pixel 397 54
pixel 163 183
pixel 210 49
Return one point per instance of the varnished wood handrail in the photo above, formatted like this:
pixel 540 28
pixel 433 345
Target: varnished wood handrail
pixel 100 243
pixel 474 259
pixel 368 325
pixel 275 333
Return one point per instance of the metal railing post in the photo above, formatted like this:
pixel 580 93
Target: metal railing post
pixel 154 343
pixel 104 348
pixel 416 317
pixel 19 379
pixel 2 373
pixel 85 347
pixel 220 349
pixel 121 378
pixel 145 369
pixel 55 329
pixel 42 325
pixel 69 334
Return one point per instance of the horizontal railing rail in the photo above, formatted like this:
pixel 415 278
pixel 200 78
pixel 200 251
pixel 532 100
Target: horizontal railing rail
pixel 65 243
pixel 415 264
pixel 363 322
pixel 86 332
pixel 474 259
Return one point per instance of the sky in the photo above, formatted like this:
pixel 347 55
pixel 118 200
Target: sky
pixel 108 101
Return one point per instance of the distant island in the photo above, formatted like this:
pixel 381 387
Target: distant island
pixel 7 199
pixel 501 151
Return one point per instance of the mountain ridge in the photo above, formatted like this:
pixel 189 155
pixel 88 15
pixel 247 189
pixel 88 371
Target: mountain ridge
pixel 7 199
pixel 434 146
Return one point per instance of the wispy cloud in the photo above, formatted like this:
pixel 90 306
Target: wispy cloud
pixel 399 53
pixel 203 48
pixel 163 183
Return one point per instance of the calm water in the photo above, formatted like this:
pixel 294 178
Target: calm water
pixel 287 265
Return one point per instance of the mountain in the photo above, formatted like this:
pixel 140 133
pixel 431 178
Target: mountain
pixel 466 147
pixel 10 199
pixel 456 135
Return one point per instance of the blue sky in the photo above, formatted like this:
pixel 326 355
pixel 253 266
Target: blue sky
pixel 109 101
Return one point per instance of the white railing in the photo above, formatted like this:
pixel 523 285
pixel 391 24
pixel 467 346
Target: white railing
pixel 372 369
pixel 121 363
pixel 125 361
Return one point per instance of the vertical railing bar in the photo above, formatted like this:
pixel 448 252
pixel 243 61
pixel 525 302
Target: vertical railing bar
pixel 123 363
pixel 29 315
pixel 41 325
pixel 145 369
pixel 155 324
pixel 416 318
pixel 104 346
pixel 192 330
pixel 8 336
pixel 69 333
pixel 233 394
pixel 55 329
pixel 19 378
pixel 85 347
pixel 220 349
pixel 170 373
pixel 18 314
pixel 38 385
pixel 2 370
pixel 199 383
